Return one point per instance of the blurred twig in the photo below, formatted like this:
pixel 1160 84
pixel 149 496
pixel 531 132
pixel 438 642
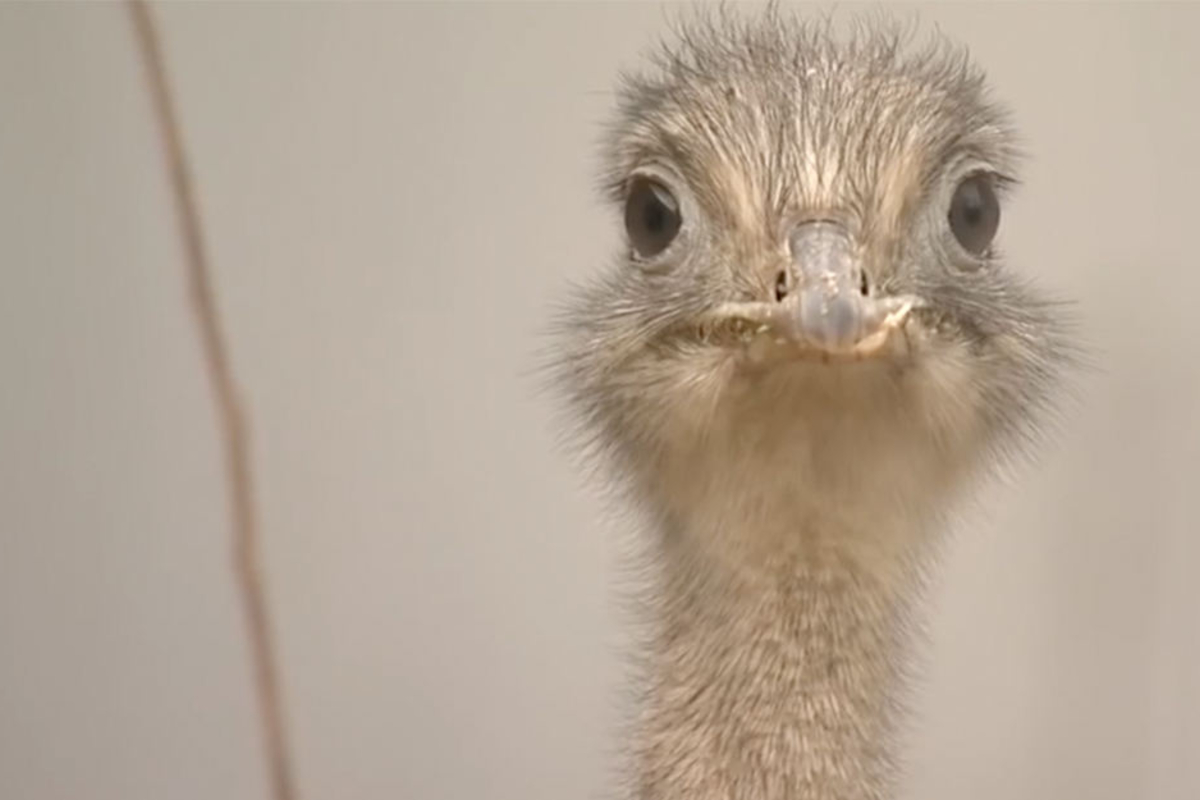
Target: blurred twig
pixel 229 413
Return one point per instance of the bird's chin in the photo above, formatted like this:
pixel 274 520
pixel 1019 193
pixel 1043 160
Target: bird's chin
pixel 766 349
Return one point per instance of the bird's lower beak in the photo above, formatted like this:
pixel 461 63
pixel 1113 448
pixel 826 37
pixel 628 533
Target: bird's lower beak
pixel 824 308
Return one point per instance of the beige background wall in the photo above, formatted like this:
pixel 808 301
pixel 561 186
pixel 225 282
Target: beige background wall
pixel 394 194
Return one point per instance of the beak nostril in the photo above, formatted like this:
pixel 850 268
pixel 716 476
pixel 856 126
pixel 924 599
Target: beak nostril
pixel 781 285
pixel 863 286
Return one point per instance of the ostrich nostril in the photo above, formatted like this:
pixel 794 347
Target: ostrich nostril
pixel 863 286
pixel 781 284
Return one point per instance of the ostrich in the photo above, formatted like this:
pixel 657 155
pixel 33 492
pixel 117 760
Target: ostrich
pixel 807 351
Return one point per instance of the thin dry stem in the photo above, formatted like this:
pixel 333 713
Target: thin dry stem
pixel 230 417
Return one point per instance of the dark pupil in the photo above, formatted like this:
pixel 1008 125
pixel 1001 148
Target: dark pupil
pixel 654 215
pixel 971 205
pixel 974 214
pixel 651 217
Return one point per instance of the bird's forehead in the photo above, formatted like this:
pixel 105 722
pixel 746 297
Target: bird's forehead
pixel 768 132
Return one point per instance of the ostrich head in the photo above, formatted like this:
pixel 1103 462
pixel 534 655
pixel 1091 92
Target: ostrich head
pixel 807 344
pixel 810 300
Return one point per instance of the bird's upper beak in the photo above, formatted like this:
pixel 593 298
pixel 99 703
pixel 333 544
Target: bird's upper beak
pixel 829 309
pixel 824 307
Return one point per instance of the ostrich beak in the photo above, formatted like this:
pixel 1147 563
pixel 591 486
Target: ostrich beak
pixel 830 310
pixel 825 309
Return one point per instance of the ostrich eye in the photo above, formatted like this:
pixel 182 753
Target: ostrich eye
pixel 651 217
pixel 975 213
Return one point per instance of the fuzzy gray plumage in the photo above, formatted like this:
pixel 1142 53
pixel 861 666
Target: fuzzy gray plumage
pixel 791 508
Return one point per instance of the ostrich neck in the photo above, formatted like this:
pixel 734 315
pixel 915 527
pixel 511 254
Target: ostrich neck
pixel 777 668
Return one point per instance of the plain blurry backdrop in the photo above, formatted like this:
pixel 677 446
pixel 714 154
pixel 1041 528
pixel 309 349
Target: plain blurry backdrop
pixel 394 197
